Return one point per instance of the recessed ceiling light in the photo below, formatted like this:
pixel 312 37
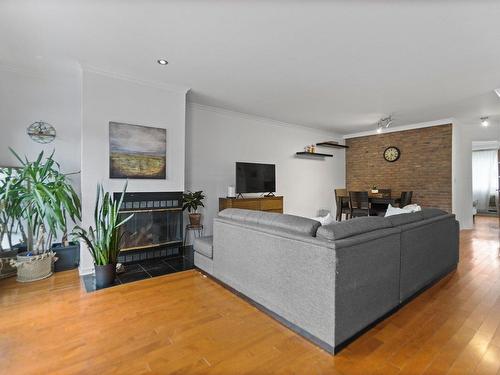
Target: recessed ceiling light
pixel 162 62
pixel 497 91
pixel 484 121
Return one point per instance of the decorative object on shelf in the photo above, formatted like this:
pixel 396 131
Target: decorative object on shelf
pixel 231 191
pixel 191 201
pixel 41 132
pixel 315 154
pixel 45 201
pixel 104 240
pixel 374 190
pixel 333 144
pixel 138 152
pixel 391 154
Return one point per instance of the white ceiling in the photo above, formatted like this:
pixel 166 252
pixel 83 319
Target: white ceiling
pixel 339 65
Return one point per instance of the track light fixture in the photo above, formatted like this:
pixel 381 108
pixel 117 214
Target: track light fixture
pixel 384 122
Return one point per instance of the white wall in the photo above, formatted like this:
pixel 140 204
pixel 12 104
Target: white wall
pixel 217 138
pixel 29 96
pixel 108 99
pixel 464 133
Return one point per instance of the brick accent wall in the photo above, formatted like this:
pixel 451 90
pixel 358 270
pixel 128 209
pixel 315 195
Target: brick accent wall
pixel 423 167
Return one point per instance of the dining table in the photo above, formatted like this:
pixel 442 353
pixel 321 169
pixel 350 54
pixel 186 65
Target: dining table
pixel 378 199
pixel 383 200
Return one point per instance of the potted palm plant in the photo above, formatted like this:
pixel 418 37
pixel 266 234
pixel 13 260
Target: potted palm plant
pixel 9 214
pixel 45 200
pixel 191 201
pixel 104 238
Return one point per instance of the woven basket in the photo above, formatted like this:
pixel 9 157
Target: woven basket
pixel 33 268
pixel 6 270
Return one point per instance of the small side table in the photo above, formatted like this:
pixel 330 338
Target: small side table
pixel 197 231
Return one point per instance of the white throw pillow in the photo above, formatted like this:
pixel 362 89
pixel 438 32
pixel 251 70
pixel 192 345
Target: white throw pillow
pixel 324 220
pixel 394 211
pixel 412 207
pixel 405 210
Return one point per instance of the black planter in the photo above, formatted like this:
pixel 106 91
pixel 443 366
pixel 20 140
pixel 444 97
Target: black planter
pixel 20 248
pixel 68 257
pixel 105 275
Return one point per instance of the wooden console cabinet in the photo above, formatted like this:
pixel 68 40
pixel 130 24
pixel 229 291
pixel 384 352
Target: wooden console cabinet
pixel 269 204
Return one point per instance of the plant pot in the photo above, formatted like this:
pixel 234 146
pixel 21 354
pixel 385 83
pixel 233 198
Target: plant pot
pixel 68 257
pixel 6 269
pixel 195 219
pixel 20 248
pixel 105 275
pixel 33 267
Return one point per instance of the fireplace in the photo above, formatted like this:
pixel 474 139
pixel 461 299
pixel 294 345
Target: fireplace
pixel 155 230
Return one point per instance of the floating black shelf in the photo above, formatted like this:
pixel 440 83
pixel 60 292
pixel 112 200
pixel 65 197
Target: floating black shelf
pixel 315 154
pixel 330 144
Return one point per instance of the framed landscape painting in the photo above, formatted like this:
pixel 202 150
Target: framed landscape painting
pixel 137 151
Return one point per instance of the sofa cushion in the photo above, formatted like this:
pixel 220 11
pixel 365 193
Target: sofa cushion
pixel 296 224
pixel 204 245
pixel 433 212
pixel 353 227
pixel 403 219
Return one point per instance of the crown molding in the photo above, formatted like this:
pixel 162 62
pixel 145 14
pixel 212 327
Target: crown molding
pixel 395 129
pixel 40 73
pixel 129 78
pixel 485 145
pixel 261 119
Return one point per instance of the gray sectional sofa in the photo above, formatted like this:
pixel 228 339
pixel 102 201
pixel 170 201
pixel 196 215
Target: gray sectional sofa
pixel 329 283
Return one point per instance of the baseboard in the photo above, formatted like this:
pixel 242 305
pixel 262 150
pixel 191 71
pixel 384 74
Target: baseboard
pixel 85 271
pixel 313 339
pixel 403 303
pixel 308 336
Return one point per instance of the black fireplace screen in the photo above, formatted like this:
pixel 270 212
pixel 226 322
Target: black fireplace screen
pixel 151 228
pixel 156 221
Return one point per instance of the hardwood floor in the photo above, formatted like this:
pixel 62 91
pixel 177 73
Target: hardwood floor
pixel 187 324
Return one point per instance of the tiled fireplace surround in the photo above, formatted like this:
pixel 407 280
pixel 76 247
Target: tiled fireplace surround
pixel 152 244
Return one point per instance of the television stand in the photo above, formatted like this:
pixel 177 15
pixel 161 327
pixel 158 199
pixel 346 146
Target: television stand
pixel 267 203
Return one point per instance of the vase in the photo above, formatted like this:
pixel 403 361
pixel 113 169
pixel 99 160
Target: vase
pixel 34 267
pixel 6 269
pixel 105 275
pixel 68 256
pixel 195 219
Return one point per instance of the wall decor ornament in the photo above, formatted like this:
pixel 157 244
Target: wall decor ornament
pixel 137 152
pixel 41 132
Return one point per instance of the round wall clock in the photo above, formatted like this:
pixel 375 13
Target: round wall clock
pixel 41 132
pixel 391 154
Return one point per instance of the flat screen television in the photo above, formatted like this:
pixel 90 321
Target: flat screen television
pixel 255 178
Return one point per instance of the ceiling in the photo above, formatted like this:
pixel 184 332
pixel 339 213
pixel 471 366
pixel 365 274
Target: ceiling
pixel 338 65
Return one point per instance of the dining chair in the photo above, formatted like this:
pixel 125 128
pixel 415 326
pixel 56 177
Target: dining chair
pixel 359 204
pixel 405 199
pixel 342 202
pixel 380 208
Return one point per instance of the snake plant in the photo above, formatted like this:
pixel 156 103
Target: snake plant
pixel 104 238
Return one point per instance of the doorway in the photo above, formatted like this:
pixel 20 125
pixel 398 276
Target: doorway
pixel 485 178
